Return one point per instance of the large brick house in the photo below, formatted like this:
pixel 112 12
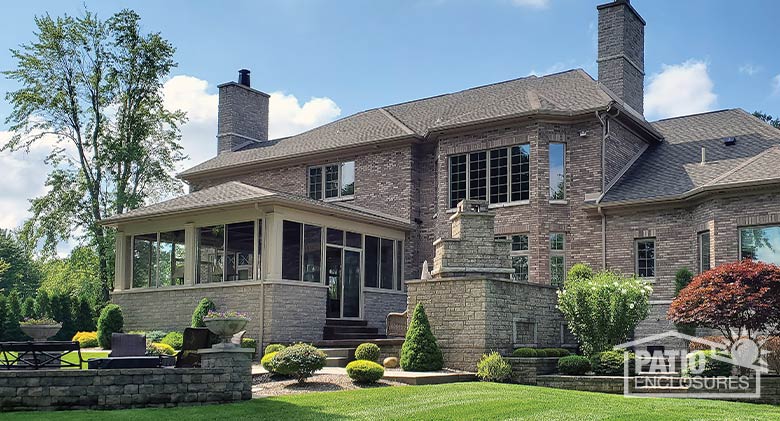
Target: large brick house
pixel 328 224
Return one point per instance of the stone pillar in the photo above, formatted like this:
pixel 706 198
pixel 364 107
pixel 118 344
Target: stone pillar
pixel 237 364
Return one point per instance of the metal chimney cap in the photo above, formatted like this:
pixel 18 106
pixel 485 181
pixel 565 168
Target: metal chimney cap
pixel 243 77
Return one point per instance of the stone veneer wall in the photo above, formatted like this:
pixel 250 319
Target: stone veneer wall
pixel 470 317
pixel 377 304
pixel 294 312
pixel 223 377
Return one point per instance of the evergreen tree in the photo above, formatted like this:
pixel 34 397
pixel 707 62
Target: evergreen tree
pixel 3 317
pixel 42 304
pixel 28 308
pixel 420 352
pixel 63 313
pixel 13 330
pixel 84 317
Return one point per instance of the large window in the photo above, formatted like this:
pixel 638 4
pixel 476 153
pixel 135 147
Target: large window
pixel 557 171
pixel 291 250
pixel 382 263
pixel 519 254
pixel 760 243
pixel 158 259
pixel 498 175
pixel 704 251
pixel 312 253
pixel 645 258
pixel 557 258
pixel 227 252
pixel 332 181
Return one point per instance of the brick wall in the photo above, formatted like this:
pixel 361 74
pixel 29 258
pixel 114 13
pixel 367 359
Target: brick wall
pixel 242 111
pixel 620 147
pixel 621 52
pixel 294 313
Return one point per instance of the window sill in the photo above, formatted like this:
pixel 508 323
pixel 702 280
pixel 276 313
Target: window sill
pixel 339 199
pixel 498 205
pixel 559 202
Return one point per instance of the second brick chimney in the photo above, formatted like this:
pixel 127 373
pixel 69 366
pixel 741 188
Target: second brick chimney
pixel 242 116
pixel 621 56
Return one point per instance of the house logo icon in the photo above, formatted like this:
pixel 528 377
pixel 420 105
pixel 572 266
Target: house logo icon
pixel 715 370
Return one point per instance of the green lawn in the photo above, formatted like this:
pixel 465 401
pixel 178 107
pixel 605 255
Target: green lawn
pixel 451 401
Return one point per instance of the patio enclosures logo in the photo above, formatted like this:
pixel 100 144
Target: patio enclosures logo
pixel 713 370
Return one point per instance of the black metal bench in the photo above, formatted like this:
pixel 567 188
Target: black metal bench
pixel 38 355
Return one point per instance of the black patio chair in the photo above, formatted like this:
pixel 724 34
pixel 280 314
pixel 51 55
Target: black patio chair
pixel 195 338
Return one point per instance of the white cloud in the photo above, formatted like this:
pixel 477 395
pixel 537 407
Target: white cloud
pixel 749 69
pixel 776 85
pixel 287 116
pixel 680 89
pixel 533 4
pixel 555 68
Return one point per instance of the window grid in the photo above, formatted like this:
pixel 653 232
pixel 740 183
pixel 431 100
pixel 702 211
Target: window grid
pixel 520 257
pixel 332 181
pixel 645 258
pixel 557 259
pixel 498 175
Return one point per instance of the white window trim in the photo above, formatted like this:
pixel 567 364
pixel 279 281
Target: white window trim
pixel 322 167
pixel 256 253
pixel 509 201
pixel 636 258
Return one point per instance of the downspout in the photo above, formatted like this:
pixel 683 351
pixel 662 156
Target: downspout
pixel 603 239
pixel 604 133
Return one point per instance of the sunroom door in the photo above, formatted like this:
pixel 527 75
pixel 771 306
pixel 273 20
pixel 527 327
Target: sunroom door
pixel 343 280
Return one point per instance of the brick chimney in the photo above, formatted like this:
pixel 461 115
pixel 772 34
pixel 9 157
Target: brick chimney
pixel 243 114
pixel 621 58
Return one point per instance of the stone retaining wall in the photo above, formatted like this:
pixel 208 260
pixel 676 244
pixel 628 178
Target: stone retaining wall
pixel 223 377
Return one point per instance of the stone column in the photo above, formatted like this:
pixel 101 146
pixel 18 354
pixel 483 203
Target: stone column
pixel 237 364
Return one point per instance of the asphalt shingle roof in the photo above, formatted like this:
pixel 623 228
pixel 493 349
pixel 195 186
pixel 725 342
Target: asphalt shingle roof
pixel 236 193
pixel 568 93
pixel 673 167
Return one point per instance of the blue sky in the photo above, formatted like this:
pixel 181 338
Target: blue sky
pixel 325 59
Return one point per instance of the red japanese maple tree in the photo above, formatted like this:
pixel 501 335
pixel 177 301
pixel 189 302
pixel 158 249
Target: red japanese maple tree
pixel 738 299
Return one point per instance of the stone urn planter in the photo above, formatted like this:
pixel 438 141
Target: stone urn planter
pixel 225 328
pixel 41 332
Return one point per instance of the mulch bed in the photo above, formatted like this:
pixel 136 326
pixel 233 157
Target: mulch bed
pixel 274 385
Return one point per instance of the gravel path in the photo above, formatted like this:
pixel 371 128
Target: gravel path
pixel 269 385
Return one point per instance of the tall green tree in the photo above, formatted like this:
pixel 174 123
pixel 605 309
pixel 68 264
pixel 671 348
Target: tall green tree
pixel 18 270
pixel 76 275
pixel 773 121
pixel 13 330
pixel 94 87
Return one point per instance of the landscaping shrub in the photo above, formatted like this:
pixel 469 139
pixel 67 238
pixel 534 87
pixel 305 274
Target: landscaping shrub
pixel 682 278
pixel 541 353
pixel 524 353
pixel 13 331
pixel 365 371
pixel 158 348
pixel 610 363
pixel 555 352
pixel 563 352
pixel 153 335
pixel 420 351
pixel 579 272
pixel 273 348
pixel 86 339
pixel 62 311
pixel 603 311
pixel 249 343
pixel 28 308
pixel 698 346
pixel 3 316
pixel 268 362
pixel 494 368
pixel 204 306
pixel 84 317
pixel 174 340
pixel 367 351
pixel 110 321
pixel 574 365
pixel 299 361
pixel 772 345
pixel 703 363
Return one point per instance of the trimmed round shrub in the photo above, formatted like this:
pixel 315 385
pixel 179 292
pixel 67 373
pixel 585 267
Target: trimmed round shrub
pixel 365 371
pixel 110 321
pixel 155 335
pixel 494 368
pixel 574 365
pixel 299 361
pixel 563 352
pixel 174 339
pixel 420 352
pixel 249 343
pixel 203 308
pixel 367 351
pixel 86 339
pixel 541 353
pixel 267 362
pixel 157 348
pixel 610 363
pixel 524 353
pixel 704 363
pixel 273 348
pixel 556 352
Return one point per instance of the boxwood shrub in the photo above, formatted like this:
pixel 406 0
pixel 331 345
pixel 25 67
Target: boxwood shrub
pixel 86 339
pixel 273 348
pixel 268 362
pixel 610 363
pixel 367 351
pixel 158 348
pixel 110 321
pixel 711 367
pixel 494 368
pixel 174 339
pixel 299 361
pixel 200 312
pixel 365 371
pixel 524 353
pixel 574 365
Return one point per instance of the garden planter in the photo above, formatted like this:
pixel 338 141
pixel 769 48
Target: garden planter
pixel 40 333
pixel 225 328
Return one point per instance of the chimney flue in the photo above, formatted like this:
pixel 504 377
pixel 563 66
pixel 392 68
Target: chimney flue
pixel 243 77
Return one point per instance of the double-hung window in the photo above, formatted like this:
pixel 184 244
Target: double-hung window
pixel 557 258
pixel 645 258
pixel 332 181
pixel 704 251
pixel 520 255
pixel 760 243
pixel 498 175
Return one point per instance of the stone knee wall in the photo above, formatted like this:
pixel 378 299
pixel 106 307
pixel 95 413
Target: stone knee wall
pixel 378 304
pixel 294 312
pixel 223 377
pixel 171 308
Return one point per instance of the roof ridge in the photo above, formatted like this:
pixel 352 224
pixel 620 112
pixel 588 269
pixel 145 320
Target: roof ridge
pixel 395 120
pixel 741 166
pixel 498 101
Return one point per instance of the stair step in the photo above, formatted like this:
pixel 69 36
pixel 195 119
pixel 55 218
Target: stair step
pixel 339 352
pixel 345 322
pixel 351 329
pixel 336 361
pixel 342 336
